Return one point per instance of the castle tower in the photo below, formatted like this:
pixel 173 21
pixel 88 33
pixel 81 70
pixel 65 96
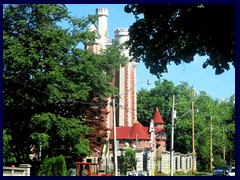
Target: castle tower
pixel 101 30
pixel 102 24
pixel 127 112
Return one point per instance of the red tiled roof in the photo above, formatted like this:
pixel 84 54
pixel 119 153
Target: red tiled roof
pixel 136 131
pixel 159 130
pixel 157 118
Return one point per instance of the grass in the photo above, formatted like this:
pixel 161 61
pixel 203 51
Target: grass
pixel 183 174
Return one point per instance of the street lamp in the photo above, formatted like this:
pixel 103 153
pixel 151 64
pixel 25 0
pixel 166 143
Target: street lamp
pixel 114 125
pixel 193 140
pixel 224 130
pixel 148 83
pixel 211 156
pixel 115 139
pixel 172 138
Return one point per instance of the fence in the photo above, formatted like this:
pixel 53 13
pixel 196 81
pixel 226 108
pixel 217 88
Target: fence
pixel 22 170
pixel 181 162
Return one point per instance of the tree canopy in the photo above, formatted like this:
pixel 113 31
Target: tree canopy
pixel 54 92
pixel 166 33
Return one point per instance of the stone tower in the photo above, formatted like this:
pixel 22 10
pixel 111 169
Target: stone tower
pixel 127 111
pixel 101 30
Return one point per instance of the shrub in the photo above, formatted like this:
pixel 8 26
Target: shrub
pixel 55 166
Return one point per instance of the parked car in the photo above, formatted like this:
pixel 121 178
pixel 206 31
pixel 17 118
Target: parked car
pixel 221 171
pixel 231 171
pixel 142 173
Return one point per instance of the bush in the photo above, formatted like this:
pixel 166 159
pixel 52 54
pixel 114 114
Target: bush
pixel 127 159
pixel 8 156
pixel 55 166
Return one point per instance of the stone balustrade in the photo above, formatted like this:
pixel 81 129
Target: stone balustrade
pixel 22 170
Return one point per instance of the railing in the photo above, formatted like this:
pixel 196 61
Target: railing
pixel 22 170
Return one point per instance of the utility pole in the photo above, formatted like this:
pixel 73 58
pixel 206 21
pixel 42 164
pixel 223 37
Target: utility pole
pixel 193 141
pixel 172 140
pixel 211 157
pixel 115 138
pixel 114 125
pixel 224 159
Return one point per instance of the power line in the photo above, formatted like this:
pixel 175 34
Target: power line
pixel 66 100
pixel 30 86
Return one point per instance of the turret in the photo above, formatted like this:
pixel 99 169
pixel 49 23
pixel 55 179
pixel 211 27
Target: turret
pixel 102 23
pixel 121 34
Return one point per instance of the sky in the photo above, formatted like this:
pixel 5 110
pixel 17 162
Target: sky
pixel 217 86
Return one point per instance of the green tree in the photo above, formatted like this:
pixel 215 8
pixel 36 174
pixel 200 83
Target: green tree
pixel 166 33
pixel 144 112
pixel 160 96
pixel 128 158
pixel 58 135
pixel 224 130
pixel 54 91
pixel 8 156
pixel 55 166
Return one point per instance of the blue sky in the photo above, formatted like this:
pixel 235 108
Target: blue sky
pixel 217 86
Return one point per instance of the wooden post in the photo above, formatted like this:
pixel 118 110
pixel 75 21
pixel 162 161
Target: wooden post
pixel 211 156
pixel 193 141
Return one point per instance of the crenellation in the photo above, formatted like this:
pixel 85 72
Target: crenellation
pixel 121 32
pixel 102 11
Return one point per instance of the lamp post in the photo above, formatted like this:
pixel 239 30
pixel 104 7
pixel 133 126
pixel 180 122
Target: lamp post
pixel 224 144
pixel 172 139
pixel 115 139
pixel 193 141
pixel 148 83
pixel 211 157
pixel 114 126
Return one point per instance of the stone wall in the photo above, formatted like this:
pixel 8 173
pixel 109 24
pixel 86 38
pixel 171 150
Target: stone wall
pixel 181 162
pixel 139 160
pixel 165 162
pixel 22 170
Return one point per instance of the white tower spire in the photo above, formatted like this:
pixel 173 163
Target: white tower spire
pixel 127 84
pixel 102 26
